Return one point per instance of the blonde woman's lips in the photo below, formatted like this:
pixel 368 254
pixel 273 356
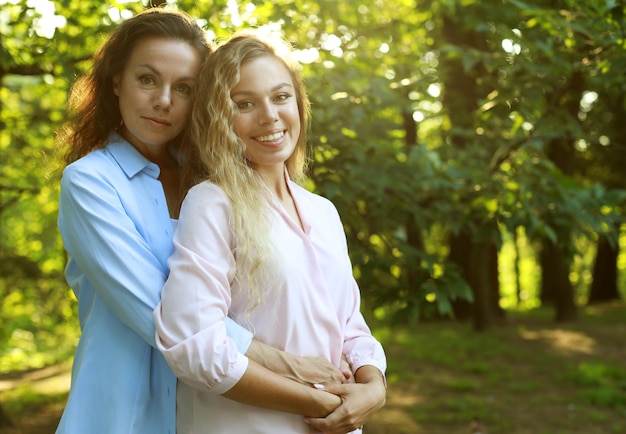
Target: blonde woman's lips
pixel 271 137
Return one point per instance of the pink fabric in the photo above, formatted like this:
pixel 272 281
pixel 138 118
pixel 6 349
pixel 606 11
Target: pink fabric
pixel 315 312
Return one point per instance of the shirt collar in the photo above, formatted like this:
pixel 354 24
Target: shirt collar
pixel 130 159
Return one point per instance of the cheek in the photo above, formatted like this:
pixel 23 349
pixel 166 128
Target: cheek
pixel 183 112
pixel 295 114
pixel 295 121
pixel 239 125
pixel 122 103
pixel 186 104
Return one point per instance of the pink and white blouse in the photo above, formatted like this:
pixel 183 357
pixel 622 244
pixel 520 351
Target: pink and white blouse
pixel 314 312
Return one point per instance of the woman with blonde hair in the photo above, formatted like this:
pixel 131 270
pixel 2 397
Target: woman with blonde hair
pixel 118 207
pixel 254 245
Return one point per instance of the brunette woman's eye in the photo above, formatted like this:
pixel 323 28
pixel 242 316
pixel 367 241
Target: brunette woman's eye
pixel 184 88
pixel 146 79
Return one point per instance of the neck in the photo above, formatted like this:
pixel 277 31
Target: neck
pixel 277 185
pixel 274 179
pixel 170 180
pixel 159 155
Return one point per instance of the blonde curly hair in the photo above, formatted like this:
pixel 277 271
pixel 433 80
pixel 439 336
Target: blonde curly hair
pixel 218 154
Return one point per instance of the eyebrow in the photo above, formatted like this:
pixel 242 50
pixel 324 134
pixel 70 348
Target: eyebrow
pixel 273 89
pixel 158 73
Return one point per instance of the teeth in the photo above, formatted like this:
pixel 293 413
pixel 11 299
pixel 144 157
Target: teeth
pixel 271 137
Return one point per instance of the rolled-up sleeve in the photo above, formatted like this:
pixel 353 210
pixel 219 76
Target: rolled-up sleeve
pixel 191 319
pixel 360 347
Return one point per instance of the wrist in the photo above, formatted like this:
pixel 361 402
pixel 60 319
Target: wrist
pixel 269 357
pixel 326 401
pixel 369 374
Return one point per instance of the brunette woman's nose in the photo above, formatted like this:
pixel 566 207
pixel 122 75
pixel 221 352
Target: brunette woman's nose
pixel 163 99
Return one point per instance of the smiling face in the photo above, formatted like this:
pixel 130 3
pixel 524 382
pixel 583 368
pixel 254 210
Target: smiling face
pixel 154 91
pixel 268 119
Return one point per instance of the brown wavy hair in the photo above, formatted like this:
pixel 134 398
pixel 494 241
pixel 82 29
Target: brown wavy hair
pixel 93 107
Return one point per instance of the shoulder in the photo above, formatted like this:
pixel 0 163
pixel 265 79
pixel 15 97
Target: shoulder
pixel 96 167
pixel 206 207
pixel 116 158
pixel 206 191
pixel 93 160
pixel 205 198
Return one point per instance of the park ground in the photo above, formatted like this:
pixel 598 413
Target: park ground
pixel 528 376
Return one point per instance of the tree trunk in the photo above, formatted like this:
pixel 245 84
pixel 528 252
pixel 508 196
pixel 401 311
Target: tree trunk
pixel 413 232
pixel 5 421
pixel 556 286
pixel 481 264
pixel 494 284
pixel 460 252
pixel 478 262
pixel 461 97
pixel 604 284
pixel 555 282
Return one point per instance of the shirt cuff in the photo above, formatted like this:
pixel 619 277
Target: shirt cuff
pixel 239 335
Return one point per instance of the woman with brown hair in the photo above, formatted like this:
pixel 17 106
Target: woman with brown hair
pixel 118 208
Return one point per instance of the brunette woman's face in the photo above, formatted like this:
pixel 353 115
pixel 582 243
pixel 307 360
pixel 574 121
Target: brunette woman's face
pixel 268 119
pixel 154 91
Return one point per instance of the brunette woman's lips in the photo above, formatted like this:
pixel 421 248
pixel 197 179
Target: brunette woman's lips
pixel 158 122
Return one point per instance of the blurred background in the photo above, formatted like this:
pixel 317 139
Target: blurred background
pixel 476 151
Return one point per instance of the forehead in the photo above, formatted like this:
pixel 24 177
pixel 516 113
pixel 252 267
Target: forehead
pixel 264 72
pixel 167 54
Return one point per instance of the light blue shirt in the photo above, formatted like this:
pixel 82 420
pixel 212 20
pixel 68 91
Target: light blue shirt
pixel 116 227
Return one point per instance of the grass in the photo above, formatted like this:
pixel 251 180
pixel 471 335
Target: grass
pixel 527 376
pixel 34 398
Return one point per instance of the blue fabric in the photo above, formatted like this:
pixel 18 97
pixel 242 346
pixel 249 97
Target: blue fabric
pixel 115 225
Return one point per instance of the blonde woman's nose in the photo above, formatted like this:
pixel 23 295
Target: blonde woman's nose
pixel 269 113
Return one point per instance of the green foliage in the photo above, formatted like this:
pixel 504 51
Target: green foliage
pixel 395 90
